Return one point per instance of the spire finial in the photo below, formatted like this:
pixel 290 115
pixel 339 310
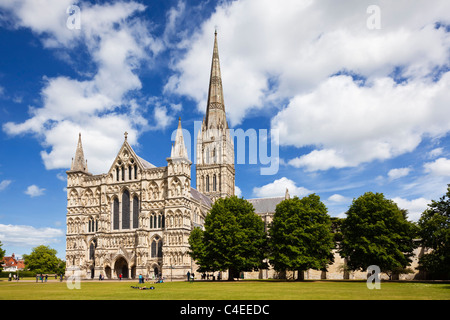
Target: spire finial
pixel 78 163
pixel 126 135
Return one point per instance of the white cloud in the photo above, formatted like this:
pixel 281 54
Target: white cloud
pixel 352 124
pixel 435 152
pixel 338 198
pixel 440 167
pixel 415 207
pixel 4 184
pixel 34 191
pixel 22 235
pixel 116 43
pixel 278 189
pixel 272 51
pixel 331 76
pixel 398 173
pixel 237 191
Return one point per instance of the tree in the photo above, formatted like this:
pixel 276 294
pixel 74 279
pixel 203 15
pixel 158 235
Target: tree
pixel 43 259
pixel 233 240
pixel 376 232
pixel 300 235
pixel 434 230
pixel 2 254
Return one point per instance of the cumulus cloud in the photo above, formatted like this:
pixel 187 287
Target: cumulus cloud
pixel 353 124
pixel 237 191
pixel 34 191
pixel 272 51
pixel 354 94
pixel 440 167
pixel 415 207
pixel 337 198
pixel 116 43
pixel 22 235
pixel 278 188
pixel 398 173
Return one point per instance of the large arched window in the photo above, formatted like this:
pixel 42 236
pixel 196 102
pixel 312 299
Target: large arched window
pixel 126 210
pixel 135 212
pixel 207 183
pixel 214 183
pixel 156 248
pixel 116 214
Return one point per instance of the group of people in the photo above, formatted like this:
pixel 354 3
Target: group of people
pixel 41 277
pixel 205 276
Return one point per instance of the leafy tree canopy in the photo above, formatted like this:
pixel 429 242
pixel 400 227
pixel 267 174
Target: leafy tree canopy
pixel 434 225
pixel 234 238
pixel 300 235
pixel 43 259
pixel 376 232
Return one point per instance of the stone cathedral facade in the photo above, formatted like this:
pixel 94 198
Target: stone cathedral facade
pixel 137 218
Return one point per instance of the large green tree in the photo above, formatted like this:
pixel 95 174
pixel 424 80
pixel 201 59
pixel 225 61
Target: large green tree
pixel 377 232
pixel 300 235
pixel 233 239
pixel 434 230
pixel 43 259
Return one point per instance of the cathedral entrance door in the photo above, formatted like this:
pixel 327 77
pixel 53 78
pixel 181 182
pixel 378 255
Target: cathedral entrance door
pixel 121 267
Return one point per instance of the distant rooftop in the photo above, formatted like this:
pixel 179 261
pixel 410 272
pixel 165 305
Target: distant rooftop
pixel 265 205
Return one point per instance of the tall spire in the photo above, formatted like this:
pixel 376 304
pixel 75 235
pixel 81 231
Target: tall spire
pixel 78 163
pixel 179 149
pixel 215 110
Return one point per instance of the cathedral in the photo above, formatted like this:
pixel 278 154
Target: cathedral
pixel 137 218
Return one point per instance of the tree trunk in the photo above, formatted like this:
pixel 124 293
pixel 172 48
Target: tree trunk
pixel 300 275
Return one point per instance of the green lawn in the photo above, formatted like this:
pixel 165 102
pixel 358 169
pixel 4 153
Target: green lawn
pixel 238 290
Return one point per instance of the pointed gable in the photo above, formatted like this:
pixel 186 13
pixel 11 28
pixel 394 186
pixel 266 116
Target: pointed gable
pixel 127 157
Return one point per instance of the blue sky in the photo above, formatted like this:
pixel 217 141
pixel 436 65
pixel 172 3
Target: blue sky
pixel 357 93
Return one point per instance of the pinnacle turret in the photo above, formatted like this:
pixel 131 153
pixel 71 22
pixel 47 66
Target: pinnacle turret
pixel 179 149
pixel 78 163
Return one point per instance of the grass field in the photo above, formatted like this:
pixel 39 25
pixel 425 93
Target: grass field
pixel 238 290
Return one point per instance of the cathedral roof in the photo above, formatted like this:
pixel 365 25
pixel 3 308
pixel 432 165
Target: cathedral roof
pixel 145 163
pixel 200 197
pixel 265 205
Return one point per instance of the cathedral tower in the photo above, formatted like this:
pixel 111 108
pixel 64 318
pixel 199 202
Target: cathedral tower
pixel 215 150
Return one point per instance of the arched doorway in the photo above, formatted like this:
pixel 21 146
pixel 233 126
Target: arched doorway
pixel 108 272
pixel 121 267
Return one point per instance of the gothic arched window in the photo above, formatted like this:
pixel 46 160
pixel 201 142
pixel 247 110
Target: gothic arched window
pixel 135 212
pixel 207 183
pixel 156 248
pixel 214 183
pixel 126 210
pixel 116 214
